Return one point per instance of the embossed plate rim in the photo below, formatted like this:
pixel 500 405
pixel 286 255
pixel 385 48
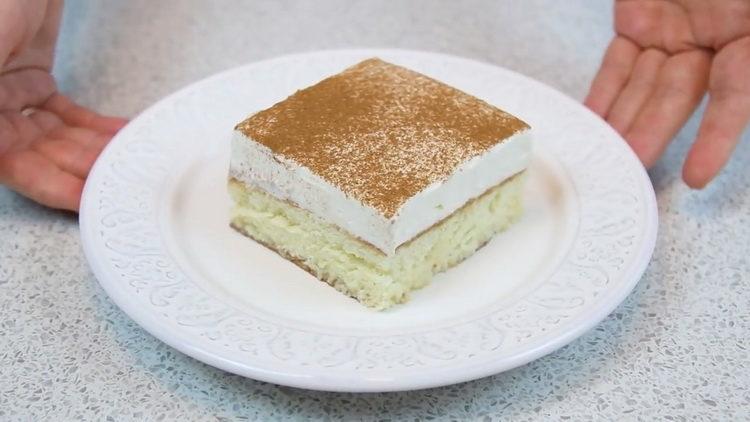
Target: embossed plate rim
pixel 338 376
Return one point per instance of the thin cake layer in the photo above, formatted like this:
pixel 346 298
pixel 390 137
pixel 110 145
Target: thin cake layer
pixel 380 151
pixel 356 268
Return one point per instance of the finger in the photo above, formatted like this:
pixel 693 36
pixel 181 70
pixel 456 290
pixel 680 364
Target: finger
pixel 84 137
pixel 69 156
pixel 723 123
pixel 614 72
pixel 680 86
pixel 640 86
pixel 45 120
pixel 726 116
pixel 24 88
pixel 38 178
pixel 75 115
pixel 655 24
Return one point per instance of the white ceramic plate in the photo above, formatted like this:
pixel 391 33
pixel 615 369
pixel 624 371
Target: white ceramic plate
pixel 154 223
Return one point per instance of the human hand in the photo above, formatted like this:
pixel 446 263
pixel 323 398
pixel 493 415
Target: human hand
pixel 47 143
pixel 665 56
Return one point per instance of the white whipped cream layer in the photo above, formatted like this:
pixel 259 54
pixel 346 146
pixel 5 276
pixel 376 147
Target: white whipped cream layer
pixel 255 165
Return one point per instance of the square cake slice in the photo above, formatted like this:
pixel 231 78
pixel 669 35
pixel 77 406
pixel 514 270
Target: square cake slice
pixel 377 178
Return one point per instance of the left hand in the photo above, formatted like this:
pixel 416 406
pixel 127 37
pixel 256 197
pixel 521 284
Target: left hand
pixel 47 143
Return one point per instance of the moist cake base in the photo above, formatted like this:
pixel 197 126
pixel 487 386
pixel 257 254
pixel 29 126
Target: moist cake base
pixel 358 269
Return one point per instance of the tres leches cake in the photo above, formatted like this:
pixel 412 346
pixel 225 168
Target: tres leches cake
pixel 377 178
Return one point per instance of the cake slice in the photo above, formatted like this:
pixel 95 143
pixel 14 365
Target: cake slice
pixel 377 178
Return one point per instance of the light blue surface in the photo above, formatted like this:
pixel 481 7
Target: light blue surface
pixel 676 347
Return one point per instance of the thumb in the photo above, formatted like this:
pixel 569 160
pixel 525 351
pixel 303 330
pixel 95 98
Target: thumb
pixel 20 20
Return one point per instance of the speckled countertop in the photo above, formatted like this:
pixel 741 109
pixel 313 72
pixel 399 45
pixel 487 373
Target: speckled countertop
pixel 676 349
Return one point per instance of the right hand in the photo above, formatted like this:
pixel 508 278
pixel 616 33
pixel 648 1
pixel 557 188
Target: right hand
pixel 665 56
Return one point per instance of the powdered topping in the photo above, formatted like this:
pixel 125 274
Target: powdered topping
pixel 381 133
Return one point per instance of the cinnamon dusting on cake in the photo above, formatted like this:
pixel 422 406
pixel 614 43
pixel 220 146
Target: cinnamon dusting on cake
pixel 379 132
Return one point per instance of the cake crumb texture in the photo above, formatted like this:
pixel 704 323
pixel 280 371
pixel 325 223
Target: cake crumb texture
pixel 357 269
pixel 379 132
